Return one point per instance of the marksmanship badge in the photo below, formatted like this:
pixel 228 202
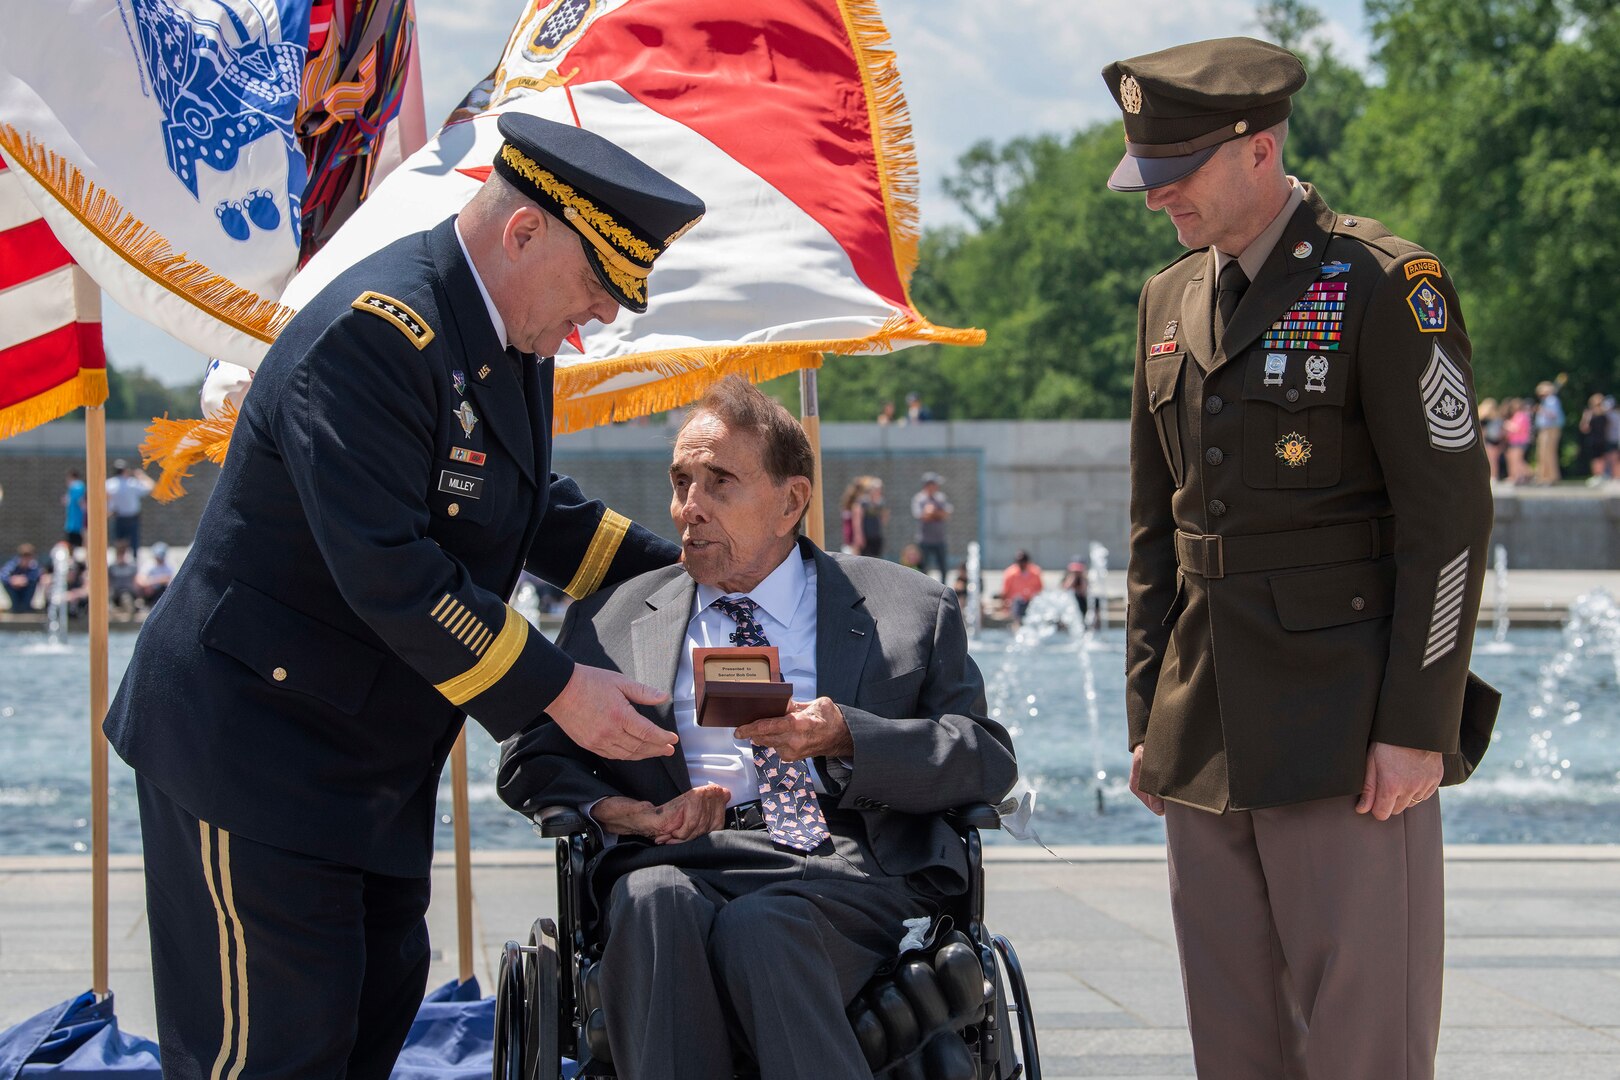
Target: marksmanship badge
pixel 1447 406
pixel 1294 449
pixel 1316 369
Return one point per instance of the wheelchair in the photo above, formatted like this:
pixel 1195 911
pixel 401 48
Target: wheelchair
pixel 942 1012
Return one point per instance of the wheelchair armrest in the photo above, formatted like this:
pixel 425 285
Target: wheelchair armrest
pixel 980 816
pixel 555 821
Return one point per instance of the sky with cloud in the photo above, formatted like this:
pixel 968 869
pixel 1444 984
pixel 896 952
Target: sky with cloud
pixel 972 70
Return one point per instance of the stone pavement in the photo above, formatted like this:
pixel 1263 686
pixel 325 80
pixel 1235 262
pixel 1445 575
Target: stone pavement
pixel 1533 961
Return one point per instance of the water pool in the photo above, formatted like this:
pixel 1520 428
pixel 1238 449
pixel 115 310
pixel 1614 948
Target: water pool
pixel 1552 775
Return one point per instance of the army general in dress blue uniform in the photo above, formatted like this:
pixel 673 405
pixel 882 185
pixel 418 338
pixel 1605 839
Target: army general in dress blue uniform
pixel 291 701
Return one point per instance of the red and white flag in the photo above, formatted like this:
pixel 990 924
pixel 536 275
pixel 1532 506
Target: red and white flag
pixel 51 358
pixel 785 116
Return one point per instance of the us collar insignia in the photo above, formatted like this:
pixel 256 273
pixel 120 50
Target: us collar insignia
pixel 1334 269
pixel 1316 369
pixel 1428 306
pixel 483 372
pixel 1294 449
pixel 1170 329
pixel 467 417
pixel 460 380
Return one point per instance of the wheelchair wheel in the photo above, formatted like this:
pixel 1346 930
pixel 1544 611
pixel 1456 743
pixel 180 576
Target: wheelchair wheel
pixel 509 1015
pixel 1029 1051
pixel 543 1020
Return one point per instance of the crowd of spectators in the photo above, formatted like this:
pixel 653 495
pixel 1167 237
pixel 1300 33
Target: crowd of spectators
pixel 1524 438
pixel 29 580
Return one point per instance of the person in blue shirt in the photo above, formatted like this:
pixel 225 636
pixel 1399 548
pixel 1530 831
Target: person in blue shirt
pixel 20 576
pixel 73 509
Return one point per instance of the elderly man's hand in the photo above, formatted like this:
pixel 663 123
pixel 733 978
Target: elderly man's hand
pixel 809 729
pixel 596 709
pixel 687 816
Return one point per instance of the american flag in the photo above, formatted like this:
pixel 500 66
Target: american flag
pixel 51 357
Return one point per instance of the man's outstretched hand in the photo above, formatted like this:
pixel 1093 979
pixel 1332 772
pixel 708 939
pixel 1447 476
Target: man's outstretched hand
pixel 809 729
pixel 596 710
pixel 687 816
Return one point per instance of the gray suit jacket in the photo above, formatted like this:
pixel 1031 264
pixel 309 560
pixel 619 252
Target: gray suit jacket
pixel 891 650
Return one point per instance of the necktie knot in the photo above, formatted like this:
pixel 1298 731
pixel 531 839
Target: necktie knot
pixel 741 610
pixel 1230 287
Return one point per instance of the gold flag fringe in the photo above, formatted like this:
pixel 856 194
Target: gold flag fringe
pixel 87 388
pixel 890 121
pixel 144 249
pixel 176 445
pixel 683 376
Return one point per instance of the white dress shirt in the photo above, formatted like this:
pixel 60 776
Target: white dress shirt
pixel 786 611
pixel 494 315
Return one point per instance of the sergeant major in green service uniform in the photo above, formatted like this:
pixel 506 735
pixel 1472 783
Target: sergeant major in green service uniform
pixel 1309 514
pixel 292 698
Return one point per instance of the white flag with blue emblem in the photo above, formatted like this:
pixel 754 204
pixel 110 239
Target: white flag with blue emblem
pixel 157 137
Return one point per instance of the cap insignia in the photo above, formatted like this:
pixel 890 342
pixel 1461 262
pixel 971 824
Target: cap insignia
pixel 1240 127
pixel 398 313
pixel 1130 95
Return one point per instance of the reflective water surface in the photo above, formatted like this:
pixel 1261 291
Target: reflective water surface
pixel 1552 775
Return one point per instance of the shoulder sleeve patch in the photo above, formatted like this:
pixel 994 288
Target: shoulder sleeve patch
pixel 398 313
pixel 1423 266
pixel 1428 306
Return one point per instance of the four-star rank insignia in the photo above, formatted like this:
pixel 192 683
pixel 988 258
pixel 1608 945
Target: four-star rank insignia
pixel 1428 306
pixel 397 312
pixel 1294 449
pixel 467 417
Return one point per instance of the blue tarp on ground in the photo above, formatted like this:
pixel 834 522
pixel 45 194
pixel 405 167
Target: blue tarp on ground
pixel 451 1039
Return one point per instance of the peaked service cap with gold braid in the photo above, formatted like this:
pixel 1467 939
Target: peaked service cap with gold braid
pixel 1182 103
pixel 625 212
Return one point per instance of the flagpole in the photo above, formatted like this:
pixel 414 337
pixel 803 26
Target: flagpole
pixel 810 417
pixel 463 832
pixel 95 559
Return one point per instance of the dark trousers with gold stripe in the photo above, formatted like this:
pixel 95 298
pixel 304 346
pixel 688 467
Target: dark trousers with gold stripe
pixel 270 963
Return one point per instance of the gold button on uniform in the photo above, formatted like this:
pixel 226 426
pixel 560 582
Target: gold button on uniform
pixel 279 674
pixel 453 509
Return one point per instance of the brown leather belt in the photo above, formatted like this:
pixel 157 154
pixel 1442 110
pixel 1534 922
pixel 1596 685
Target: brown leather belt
pixel 1215 556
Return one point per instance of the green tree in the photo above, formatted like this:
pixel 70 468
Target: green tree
pixel 1495 142
pixel 136 395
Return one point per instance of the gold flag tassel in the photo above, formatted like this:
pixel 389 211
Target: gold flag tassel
pixel 176 445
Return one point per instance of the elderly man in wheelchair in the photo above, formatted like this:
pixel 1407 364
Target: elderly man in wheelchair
pixel 739 906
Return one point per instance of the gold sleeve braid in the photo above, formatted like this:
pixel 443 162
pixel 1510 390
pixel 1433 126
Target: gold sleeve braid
pixel 492 667
pixel 610 532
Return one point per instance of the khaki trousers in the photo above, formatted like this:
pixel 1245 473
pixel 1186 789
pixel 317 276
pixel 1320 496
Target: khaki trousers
pixel 1312 940
pixel 1547 455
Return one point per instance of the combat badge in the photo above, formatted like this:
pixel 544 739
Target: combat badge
pixel 467 417
pixel 459 378
pixel 1447 407
pixel 1428 306
pixel 1294 449
pixel 1316 369
pixel 1276 367
pixel 1334 269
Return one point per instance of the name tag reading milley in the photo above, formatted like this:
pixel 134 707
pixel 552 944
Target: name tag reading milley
pixel 738 685
pixel 469 487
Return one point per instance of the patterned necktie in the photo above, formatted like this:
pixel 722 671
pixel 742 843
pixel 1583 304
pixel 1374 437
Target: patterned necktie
pixel 791 810
pixel 1230 288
